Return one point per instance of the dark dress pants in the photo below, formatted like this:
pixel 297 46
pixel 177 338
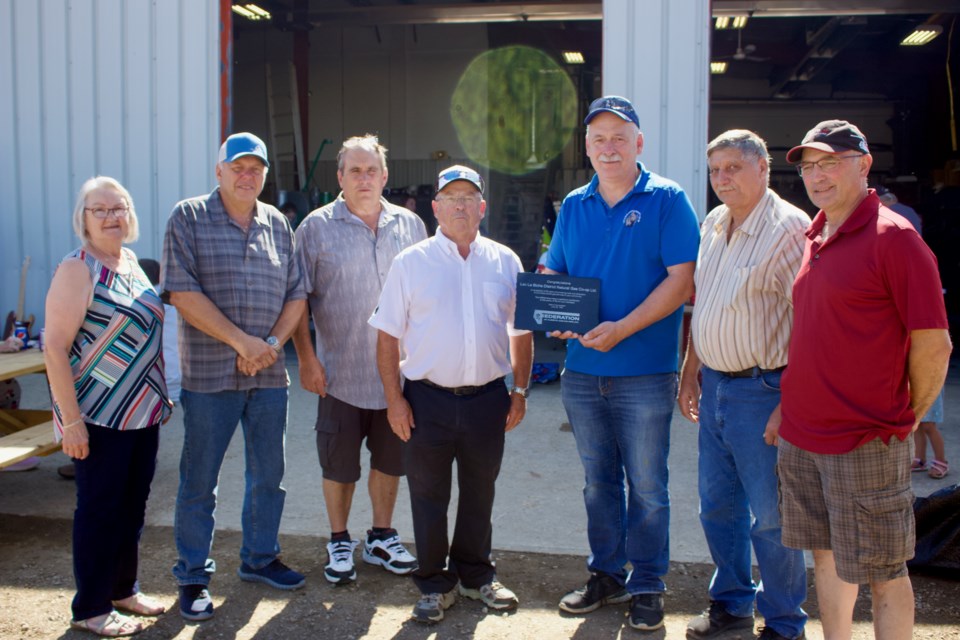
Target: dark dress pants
pixel 113 484
pixel 468 430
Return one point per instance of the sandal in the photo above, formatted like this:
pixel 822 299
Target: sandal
pixel 918 465
pixel 938 469
pixel 113 625
pixel 140 604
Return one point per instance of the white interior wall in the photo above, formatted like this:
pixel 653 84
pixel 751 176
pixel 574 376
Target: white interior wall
pixel 125 88
pixel 398 87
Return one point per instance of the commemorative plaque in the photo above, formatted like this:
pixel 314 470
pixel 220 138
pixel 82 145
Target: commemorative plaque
pixel 557 303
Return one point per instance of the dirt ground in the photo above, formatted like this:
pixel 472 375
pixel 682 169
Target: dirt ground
pixel 36 585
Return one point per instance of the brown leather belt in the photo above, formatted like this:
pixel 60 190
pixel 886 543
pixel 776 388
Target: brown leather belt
pixel 464 391
pixel 754 372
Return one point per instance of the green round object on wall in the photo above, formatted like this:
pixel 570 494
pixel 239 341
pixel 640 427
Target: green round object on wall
pixel 514 109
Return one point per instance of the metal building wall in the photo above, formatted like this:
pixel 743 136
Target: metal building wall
pixel 657 53
pixel 125 88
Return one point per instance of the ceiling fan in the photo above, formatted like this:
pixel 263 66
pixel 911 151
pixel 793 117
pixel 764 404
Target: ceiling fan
pixel 744 52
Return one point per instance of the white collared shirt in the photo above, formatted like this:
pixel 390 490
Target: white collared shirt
pixel 453 316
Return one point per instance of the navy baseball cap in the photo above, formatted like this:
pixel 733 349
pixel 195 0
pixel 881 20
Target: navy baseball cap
pixel 832 136
pixel 459 172
pixel 615 105
pixel 243 144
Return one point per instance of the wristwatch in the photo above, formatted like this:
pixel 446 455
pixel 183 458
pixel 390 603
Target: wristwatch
pixel 523 392
pixel 274 343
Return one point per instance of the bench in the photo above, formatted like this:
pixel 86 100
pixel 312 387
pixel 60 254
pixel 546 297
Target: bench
pixel 37 440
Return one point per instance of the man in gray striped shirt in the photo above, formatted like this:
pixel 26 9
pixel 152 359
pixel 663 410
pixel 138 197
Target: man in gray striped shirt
pixel 346 249
pixel 750 250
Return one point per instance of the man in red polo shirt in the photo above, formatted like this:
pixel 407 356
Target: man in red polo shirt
pixel 868 354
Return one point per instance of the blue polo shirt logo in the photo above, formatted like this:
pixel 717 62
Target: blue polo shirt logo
pixel 631 218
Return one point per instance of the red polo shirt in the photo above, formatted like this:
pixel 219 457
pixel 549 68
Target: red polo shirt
pixel 856 299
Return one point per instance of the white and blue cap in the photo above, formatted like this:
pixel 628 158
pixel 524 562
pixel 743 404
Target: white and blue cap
pixel 612 104
pixel 243 144
pixel 459 172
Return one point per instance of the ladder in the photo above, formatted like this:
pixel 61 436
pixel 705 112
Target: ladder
pixel 286 141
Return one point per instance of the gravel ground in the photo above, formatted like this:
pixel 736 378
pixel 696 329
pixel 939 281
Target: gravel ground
pixel 36 586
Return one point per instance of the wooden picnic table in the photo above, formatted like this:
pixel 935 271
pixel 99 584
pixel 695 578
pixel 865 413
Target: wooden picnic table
pixel 24 432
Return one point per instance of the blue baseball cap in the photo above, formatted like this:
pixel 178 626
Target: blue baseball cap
pixel 615 105
pixel 243 144
pixel 459 172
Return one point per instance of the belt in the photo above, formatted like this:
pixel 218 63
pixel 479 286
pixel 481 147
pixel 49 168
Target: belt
pixel 753 372
pixel 464 391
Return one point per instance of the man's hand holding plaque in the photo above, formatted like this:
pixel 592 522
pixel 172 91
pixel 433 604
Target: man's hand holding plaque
pixel 566 306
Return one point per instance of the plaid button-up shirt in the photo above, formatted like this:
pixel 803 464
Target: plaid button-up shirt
pixel 249 276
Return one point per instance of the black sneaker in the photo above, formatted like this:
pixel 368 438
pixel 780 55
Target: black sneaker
pixel 600 589
pixel 646 611
pixel 276 574
pixel 195 602
pixel 717 620
pixel 766 633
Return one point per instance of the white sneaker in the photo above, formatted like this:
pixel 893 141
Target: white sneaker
pixel 389 554
pixel 493 594
pixel 430 607
pixel 340 569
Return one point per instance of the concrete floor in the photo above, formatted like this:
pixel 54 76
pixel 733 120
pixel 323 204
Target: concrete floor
pixel 538 507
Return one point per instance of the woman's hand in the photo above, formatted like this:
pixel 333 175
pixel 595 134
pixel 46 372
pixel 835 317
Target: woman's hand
pixel 76 441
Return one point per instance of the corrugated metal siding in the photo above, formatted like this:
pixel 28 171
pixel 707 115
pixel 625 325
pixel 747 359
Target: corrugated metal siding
pixel 125 88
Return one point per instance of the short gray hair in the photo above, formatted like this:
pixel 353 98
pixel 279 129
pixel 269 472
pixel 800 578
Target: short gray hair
pixel 746 142
pixel 368 142
pixel 104 182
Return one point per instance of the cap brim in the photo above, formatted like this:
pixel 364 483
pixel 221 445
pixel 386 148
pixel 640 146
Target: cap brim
pixel 593 114
pixel 467 180
pixel 243 154
pixel 794 155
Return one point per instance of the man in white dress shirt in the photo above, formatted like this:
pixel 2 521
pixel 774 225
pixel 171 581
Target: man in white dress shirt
pixel 445 322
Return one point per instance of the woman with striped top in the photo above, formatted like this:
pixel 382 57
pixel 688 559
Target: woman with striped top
pixel 104 359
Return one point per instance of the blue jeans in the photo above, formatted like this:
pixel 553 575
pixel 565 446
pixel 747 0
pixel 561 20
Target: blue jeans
pixel 739 502
pixel 209 421
pixel 622 428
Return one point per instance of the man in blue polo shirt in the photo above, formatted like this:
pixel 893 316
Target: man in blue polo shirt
pixel 637 232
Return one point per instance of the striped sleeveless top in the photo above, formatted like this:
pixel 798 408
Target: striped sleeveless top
pixel 117 356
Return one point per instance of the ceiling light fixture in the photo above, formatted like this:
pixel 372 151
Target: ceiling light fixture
pixel 922 35
pixel 723 22
pixel 716 68
pixel 243 11
pixel 573 57
pixel 251 12
pixel 739 22
pixel 262 14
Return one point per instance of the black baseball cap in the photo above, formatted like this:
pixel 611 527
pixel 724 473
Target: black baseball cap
pixel 832 136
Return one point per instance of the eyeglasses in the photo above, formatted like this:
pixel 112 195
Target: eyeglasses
pixel 824 164
pixel 98 212
pixel 457 200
